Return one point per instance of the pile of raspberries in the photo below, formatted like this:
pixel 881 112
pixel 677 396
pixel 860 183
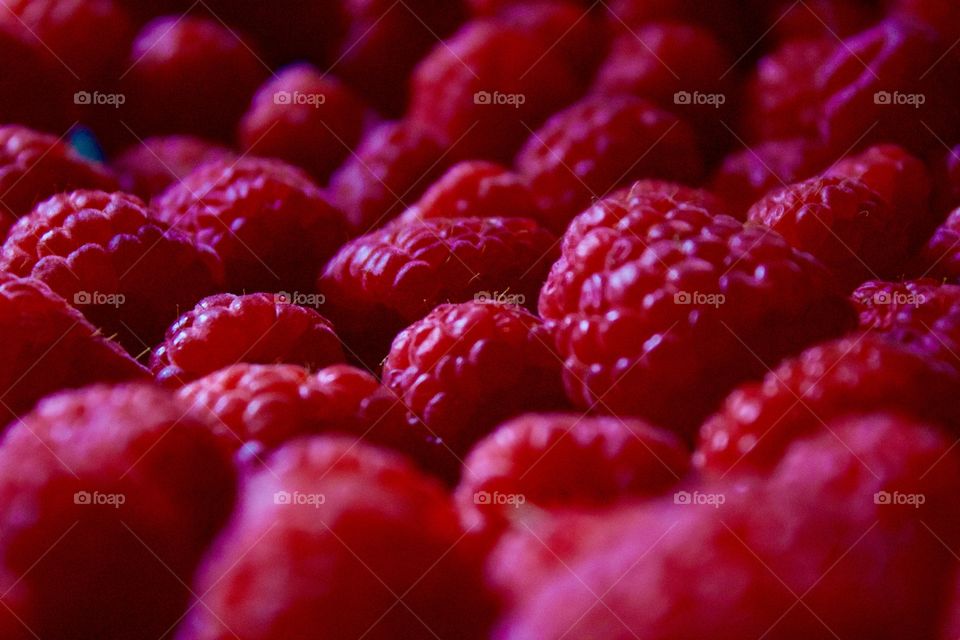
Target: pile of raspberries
pixel 479 320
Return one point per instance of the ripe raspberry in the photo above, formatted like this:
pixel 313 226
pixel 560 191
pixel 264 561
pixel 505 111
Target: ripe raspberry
pixel 654 298
pixel 859 373
pixel 304 118
pixel 475 189
pixel 940 257
pixel 843 223
pixel 946 176
pixel 125 270
pixel 383 281
pixel 190 75
pixel 124 491
pixel 149 167
pixel 35 166
pixel 35 92
pixel 256 328
pixel 488 86
pixel 566 461
pixel 601 144
pixel 326 503
pixel 393 165
pixel 47 346
pixel 465 368
pixel 269 223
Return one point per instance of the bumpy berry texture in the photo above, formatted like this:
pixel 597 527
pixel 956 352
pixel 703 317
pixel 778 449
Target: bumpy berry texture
pixel 600 144
pixel 654 296
pixel 304 118
pixel 568 461
pixel 110 257
pixel 464 368
pixel 483 90
pixel 940 256
pixel 149 167
pixel 35 166
pixel 256 328
pixel 326 502
pixel 270 224
pixel 383 281
pixel 124 490
pixel 860 373
pixel 842 222
pixel 48 346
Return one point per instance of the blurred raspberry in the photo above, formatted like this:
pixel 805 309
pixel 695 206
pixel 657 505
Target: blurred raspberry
pixel 376 527
pixel 660 307
pixel 257 328
pixel 940 257
pixel 149 167
pixel 383 281
pixel 107 254
pixel 600 144
pixel 942 15
pixel 816 18
pixel 304 118
pixel 269 223
pixel 32 91
pixel 946 176
pixel 124 491
pixel 35 166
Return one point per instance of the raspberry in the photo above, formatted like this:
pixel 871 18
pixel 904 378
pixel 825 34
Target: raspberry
pixel 566 461
pixel 859 373
pixel 106 253
pixel 124 491
pixel 385 280
pixel 488 86
pixel 256 328
pixel 35 166
pixel 394 163
pixel 269 223
pixel 940 257
pixel 465 368
pixel 475 189
pixel 47 346
pixel 326 502
pixel 149 167
pixel 946 176
pixel 601 144
pixel 304 118
pixel 190 75
pixel 655 297
pixel 843 223
pixel 942 15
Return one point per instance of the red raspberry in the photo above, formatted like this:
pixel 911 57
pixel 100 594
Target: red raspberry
pixel 304 118
pixel 35 166
pixel 601 144
pixel 942 15
pixel 385 280
pixel 488 86
pixel 566 461
pixel 655 298
pixel 940 257
pixel 257 328
pixel 35 92
pixel 465 368
pixel 843 223
pixel 47 346
pixel 946 175
pixel 475 189
pixel 190 75
pixel 860 373
pixel 380 531
pixel 269 223
pixel 149 167
pixel 125 270
pixel 124 490
pixel 393 165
